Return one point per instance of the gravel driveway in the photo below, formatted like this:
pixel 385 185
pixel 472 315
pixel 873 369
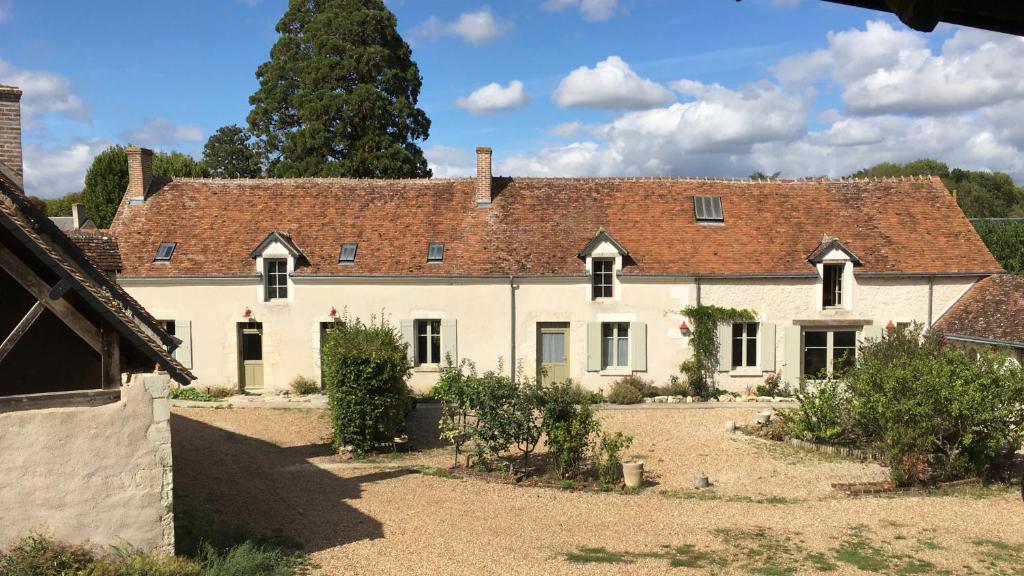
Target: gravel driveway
pixel 772 510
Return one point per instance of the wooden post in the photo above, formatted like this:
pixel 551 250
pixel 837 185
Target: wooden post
pixel 111 358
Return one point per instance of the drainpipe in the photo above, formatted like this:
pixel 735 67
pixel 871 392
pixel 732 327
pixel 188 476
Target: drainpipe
pixel 512 327
pixel 697 279
pixel 931 288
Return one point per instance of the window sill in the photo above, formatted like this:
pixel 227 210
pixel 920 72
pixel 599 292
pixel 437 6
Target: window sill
pixel 277 302
pixel 620 371
pixel 746 371
pixel 427 368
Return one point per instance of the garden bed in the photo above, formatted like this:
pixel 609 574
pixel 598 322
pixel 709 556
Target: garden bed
pixel 861 489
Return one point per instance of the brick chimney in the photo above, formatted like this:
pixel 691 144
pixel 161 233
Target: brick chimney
pixel 483 177
pixel 140 172
pixel 10 133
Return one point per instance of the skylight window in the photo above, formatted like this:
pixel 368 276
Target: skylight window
pixel 164 252
pixel 435 253
pixel 708 208
pixel 348 254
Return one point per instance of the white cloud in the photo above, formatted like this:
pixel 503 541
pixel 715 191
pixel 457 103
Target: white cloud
pixel 610 84
pixel 473 27
pixel 54 171
pixel 43 93
pixel 566 129
pixel 159 131
pixel 590 9
pixel 6 10
pixel 494 98
pixel 450 162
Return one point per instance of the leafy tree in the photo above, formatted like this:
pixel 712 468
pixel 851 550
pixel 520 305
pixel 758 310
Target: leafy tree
pixel 62 206
pixel 763 176
pixel 106 180
pixel 1006 242
pixel 338 95
pixel 39 203
pixel 571 427
pixel 229 153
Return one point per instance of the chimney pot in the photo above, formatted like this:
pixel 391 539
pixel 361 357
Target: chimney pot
pixel 77 215
pixel 140 172
pixel 10 133
pixel 483 177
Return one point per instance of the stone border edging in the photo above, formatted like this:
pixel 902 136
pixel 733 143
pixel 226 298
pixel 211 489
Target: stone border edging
pixel 857 453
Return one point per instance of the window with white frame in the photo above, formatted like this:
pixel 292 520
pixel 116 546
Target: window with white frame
pixel 828 352
pixel 614 345
pixel 832 285
pixel 603 277
pixel 275 278
pixel 428 342
pixel 744 344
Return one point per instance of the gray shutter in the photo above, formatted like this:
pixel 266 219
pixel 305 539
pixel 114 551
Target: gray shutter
pixel 638 346
pixel 409 335
pixel 183 332
pixel 593 346
pixel 766 339
pixel 449 342
pixel 871 332
pixel 792 350
pixel 724 347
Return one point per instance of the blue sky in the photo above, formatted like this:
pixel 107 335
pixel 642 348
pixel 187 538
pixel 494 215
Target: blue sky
pixel 556 87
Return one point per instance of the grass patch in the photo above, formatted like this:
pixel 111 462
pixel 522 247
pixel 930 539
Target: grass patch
pixel 708 494
pixel 601 555
pixel 440 473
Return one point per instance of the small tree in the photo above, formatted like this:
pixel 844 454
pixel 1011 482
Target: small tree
pixel 700 368
pixel 494 397
pixel 106 181
pixel 230 153
pixel 365 372
pixel 456 390
pixel 526 416
pixel 570 426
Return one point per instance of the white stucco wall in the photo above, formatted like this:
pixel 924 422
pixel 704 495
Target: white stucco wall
pixel 481 309
pixel 100 474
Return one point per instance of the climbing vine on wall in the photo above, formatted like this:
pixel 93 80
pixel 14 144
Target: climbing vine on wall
pixel 700 368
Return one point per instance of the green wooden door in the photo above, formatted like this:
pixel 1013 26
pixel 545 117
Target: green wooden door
pixel 553 352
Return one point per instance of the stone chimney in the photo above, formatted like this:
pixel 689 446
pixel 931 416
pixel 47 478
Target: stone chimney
pixel 140 172
pixel 483 177
pixel 10 133
pixel 78 216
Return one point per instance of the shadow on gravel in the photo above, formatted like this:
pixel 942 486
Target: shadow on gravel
pixel 235 480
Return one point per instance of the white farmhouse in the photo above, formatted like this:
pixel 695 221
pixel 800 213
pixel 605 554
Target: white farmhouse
pixel 583 276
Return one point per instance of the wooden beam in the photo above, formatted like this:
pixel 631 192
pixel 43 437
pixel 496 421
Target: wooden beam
pixel 8 344
pixel 60 289
pixel 41 290
pixel 111 359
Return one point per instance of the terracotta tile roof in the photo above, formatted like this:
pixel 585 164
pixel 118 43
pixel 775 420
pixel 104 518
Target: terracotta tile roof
pixel 97 289
pixel 538 226
pixel 993 309
pixel 100 247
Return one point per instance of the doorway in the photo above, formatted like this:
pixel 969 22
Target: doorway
pixel 250 356
pixel 552 352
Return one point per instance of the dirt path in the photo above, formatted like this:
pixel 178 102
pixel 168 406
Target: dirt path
pixel 772 510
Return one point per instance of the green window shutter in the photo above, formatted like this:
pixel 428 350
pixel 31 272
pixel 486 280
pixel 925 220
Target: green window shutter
pixel 724 347
pixel 871 332
pixel 793 350
pixel 593 346
pixel 183 332
pixel 766 340
pixel 449 342
pixel 409 335
pixel 638 346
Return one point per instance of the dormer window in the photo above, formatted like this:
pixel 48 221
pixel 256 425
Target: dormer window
pixel 435 252
pixel 708 208
pixel 832 286
pixel 602 279
pixel 348 254
pixel 275 278
pixel 164 252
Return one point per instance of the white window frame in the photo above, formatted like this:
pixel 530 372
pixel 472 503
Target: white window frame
pixel 745 342
pixel 282 275
pixel 837 287
pixel 595 274
pixel 829 347
pixel 430 323
pixel 613 364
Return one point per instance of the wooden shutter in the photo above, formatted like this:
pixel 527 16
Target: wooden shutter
pixel 638 346
pixel 409 335
pixel 593 346
pixel 449 342
pixel 724 347
pixel 183 332
pixel 793 351
pixel 766 340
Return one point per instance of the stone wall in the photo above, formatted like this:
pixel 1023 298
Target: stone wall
pixel 100 474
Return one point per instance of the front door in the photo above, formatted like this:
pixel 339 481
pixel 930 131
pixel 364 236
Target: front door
pixel 553 352
pixel 250 354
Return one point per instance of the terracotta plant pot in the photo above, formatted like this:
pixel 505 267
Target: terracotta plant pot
pixel 633 473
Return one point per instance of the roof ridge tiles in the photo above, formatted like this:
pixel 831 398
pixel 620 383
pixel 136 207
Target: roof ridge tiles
pixel 429 181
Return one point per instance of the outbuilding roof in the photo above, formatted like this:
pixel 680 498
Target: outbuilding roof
pixel 992 310
pixel 536 226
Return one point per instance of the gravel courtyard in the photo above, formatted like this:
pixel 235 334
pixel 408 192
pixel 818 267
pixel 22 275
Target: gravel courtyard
pixel 771 511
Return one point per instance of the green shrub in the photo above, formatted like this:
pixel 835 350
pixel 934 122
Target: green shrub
pixel 456 392
pixel 773 386
pixel 365 369
pixel 132 562
pixel 219 392
pixel 570 426
pixel 39 555
pixel 250 559
pixel 609 457
pixel 191 393
pixel 304 385
pixel 628 390
pixel 674 387
pixel 492 404
pixel 823 414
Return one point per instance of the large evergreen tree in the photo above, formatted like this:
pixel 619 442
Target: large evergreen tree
pixel 229 153
pixel 338 95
